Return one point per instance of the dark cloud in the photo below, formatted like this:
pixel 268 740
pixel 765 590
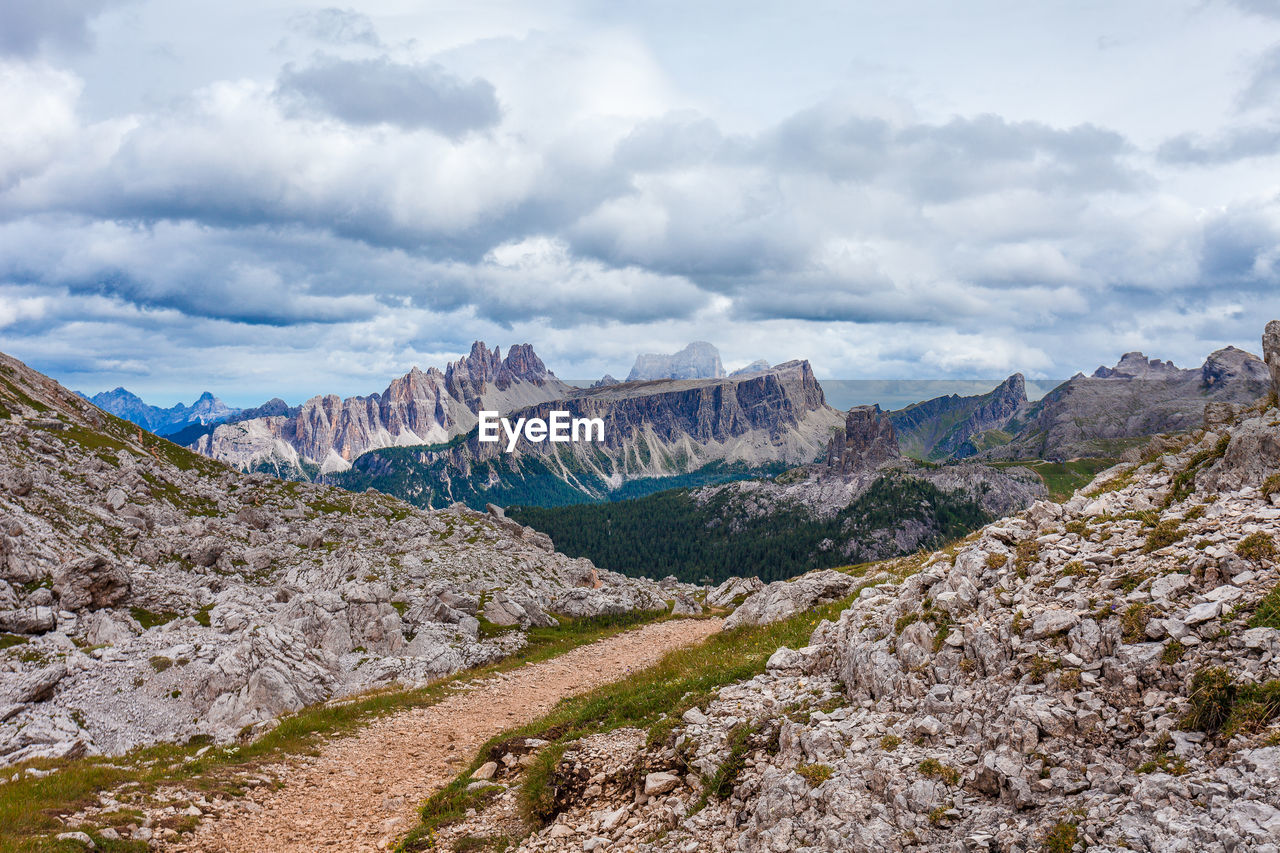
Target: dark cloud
pixel 337 26
pixel 379 91
pixel 1264 85
pixel 963 157
pixel 1238 144
pixel 1240 249
pixel 28 25
pixel 1265 8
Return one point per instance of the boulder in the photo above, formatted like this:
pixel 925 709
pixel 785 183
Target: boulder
pixel 90 584
pixel 781 599
pixel 29 620
pixel 36 686
pixel 735 587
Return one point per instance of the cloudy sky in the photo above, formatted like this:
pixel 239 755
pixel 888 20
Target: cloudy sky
pixel 275 198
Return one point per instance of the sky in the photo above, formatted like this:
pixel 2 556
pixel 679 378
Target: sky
pixel 276 198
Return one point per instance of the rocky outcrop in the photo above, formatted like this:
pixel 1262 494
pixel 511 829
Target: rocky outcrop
pixel 955 426
pixel 781 599
pixel 734 591
pixel 1271 353
pixel 327 433
pixel 153 595
pixel 866 441
pixel 699 360
pixel 652 429
pixel 1104 414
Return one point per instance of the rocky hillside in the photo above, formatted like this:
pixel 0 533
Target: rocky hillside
pixel 1102 674
pixel 1119 407
pixel 148 593
pixel 654 431
pixel 955 426
pixel 420 408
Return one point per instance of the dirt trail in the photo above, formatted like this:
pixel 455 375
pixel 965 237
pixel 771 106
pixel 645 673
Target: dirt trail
pixel 363 791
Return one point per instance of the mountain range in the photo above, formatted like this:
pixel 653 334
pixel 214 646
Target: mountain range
pixel 327 433
pixel 207 409
pixel 690 425
pixel 658 434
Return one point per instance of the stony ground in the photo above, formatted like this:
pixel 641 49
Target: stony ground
pixel 362 792
pixel 148 594
pixel 1098 675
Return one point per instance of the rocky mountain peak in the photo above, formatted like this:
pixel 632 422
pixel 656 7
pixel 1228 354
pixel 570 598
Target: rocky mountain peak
pixel 867 441
pixel 757 366
pixel 1232 363
pixel 699 360
pixel 1135 365
pixel 422 407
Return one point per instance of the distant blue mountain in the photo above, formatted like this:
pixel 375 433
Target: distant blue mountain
pixel 207 409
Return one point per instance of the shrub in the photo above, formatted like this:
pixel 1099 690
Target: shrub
pixel 1069 679
pixel 160 663
pixel 1257 547
pixel 1133 624
pixel 1172 653
pixel 1040 667
pixel 1268 613
pixel 1062 837
pixel 1212 695
pixel 903 622
pixel 1027 552
pixel 1165 533
pixel 890 742
pixel 934 768
pixel 1271 485
pixel 815 774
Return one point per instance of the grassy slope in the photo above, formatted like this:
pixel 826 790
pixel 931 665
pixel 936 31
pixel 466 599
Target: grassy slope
pixel 29 807
pixel 1062 478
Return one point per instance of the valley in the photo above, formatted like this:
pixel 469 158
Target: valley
pixel 878 610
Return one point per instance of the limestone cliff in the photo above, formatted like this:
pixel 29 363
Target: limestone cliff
pixel 420 408
pixel 655 429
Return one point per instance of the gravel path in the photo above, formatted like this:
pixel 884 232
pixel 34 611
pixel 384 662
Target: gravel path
pixel 362 792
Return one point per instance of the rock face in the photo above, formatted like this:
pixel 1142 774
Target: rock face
pixel 954 426
pixel 158 595
pixel 866 442
pixel 655 429
pixel 1103 414
pixel 125 404
pixel 699 360
pixel 327 433
pixel 1271 352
